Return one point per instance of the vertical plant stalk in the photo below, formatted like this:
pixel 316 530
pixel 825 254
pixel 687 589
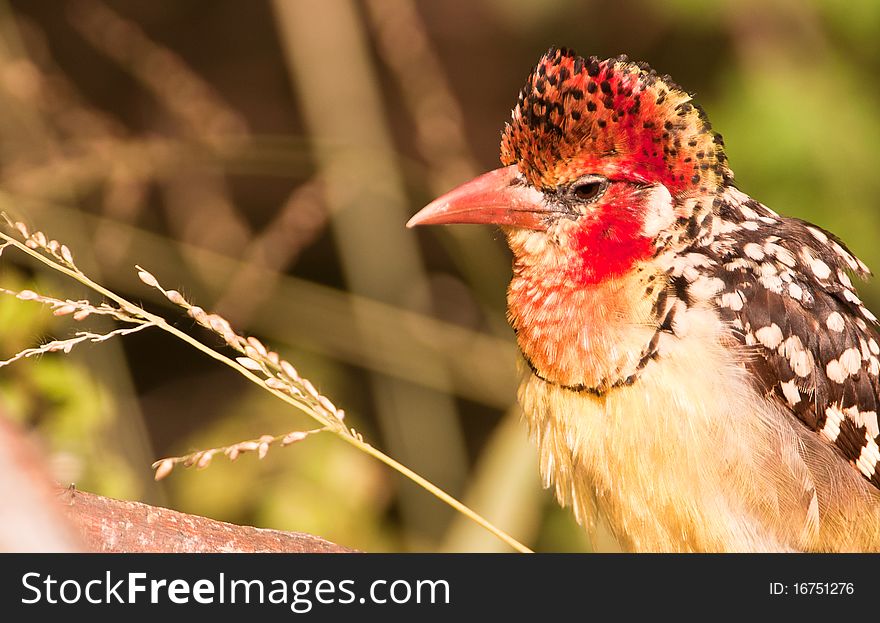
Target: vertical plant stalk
pixel 366 194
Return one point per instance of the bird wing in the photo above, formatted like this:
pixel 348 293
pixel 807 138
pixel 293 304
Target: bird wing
pixel 814 345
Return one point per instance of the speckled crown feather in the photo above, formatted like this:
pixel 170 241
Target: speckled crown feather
pixel 613 117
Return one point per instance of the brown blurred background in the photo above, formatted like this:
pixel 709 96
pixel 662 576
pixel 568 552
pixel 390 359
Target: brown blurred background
pixel 263 157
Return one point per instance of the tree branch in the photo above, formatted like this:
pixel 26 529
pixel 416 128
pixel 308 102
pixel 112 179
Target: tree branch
pixel 37 515
pixel 108 525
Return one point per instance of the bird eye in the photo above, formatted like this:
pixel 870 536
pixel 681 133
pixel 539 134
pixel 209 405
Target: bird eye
pixel 588 190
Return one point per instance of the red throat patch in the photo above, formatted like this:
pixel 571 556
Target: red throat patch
pixel 608 248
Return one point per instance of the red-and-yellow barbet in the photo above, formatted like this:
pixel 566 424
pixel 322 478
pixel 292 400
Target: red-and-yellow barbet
pixel 700 373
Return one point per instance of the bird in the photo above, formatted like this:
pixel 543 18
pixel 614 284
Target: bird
pixel 699 372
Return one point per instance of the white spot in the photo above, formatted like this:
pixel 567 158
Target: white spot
pixel 791 393
pixel 721 226
pixel 866 352
pixel 733 300
pixel 850 296
pixel 867 314
pixel 868 419
pixel 791 345
pixel 748 212
pixel 835 371
pixel 735 196
pixel 795 291
pixel 867 461
pixel 818 235
pixel 851 360
pixel 843 278
pixel 754 251
pixel 834 417
pixel 750 225
pixel 687 265
pixel 873 346
pixel 807 254
pixel 768 269
pixel 874 366
pixel 706 287
pixel 785 256
pixel 738 264
pixel 820 269
pixel 802 363
pixel 781 253
pixel 698 259
pixel 847 257
pixel 772 282
pixel 835 322
pixel 771 336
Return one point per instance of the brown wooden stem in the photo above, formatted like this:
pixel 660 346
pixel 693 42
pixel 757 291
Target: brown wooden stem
pixel 108 525
pixel 37 515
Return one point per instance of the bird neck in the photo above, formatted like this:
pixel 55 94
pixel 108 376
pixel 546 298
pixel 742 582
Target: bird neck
pixel 589 336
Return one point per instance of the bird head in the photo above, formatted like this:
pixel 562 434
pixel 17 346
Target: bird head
pixel 601 159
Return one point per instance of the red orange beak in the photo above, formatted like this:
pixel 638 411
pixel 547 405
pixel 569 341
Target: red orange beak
pixel 496 197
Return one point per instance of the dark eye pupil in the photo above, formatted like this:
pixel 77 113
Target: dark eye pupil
pixel 587 190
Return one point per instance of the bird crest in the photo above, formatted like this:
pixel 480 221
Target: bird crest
pixel 615 118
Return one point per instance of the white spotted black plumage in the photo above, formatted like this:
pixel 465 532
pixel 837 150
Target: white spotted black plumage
pixel 783 287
